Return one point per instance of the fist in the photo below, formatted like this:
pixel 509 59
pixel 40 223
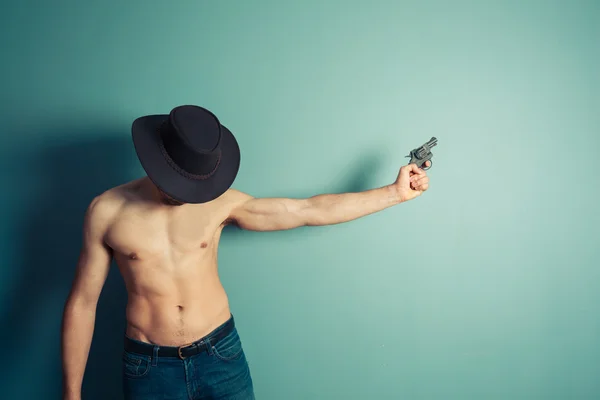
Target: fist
pixel 412 181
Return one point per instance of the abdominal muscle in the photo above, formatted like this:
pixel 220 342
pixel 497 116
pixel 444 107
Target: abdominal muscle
pixel 174 309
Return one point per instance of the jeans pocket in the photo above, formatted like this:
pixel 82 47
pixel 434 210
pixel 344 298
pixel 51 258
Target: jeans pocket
pixel 229 348
pixel 135 365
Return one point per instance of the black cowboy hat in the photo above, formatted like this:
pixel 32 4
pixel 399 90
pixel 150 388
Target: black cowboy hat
pixel 188 154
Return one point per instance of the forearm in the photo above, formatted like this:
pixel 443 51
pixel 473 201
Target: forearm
pixel 77 331
pixel 329 209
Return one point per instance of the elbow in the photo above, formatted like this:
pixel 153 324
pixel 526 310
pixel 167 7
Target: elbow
pixel 314 219
pixel 78 303
pixel 318 222
pixel 305 212
pixel 78 312
pixel 313 213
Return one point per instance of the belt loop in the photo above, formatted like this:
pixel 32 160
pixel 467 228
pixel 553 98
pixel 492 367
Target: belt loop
pixel 208 346
pixel 155 356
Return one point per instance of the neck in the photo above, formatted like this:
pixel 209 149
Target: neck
pixel 160 198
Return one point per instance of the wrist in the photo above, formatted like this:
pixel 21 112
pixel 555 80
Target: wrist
pixel 394 194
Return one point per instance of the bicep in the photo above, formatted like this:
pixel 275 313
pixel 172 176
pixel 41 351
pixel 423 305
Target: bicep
pixel 94 259
pixel 267 214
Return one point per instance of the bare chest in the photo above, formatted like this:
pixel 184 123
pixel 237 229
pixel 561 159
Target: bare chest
pixel 168 236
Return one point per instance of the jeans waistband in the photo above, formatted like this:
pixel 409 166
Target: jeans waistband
pixel 184 351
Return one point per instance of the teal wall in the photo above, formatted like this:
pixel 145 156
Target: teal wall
pixel 487 287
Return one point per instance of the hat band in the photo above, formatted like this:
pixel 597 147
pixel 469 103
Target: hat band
pixel 183 172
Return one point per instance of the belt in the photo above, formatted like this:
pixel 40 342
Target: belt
pixel 184 351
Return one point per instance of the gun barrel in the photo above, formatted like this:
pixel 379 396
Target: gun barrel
pixel 432 142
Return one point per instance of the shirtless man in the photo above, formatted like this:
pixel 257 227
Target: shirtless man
pixel 163 231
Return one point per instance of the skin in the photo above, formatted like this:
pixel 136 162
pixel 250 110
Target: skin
pixel 166 252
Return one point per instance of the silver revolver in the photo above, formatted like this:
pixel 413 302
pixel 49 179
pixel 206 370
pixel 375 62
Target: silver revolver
pixel 422 154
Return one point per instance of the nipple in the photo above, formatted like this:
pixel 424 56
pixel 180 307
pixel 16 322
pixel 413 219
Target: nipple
pixel 203 245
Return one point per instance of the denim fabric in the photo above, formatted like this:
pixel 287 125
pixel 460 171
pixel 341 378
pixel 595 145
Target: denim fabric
pixel 220 372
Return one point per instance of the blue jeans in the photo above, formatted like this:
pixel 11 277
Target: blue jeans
pixel 214 367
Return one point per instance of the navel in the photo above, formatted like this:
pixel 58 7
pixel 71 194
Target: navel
pixel 180 308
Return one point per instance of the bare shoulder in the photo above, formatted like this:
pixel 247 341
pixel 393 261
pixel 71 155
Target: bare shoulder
pixel 103 208
pixel 231 201
pixel 234 197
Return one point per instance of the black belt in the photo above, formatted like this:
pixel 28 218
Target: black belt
pixel 184 351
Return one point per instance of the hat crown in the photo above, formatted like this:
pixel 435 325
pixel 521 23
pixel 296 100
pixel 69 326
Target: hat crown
pixel 191 137
pixel 196 127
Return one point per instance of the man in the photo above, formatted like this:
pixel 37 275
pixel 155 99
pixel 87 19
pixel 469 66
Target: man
pixel 163 231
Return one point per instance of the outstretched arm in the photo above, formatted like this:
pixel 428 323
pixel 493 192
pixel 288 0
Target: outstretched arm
pixel 80 308
pixel 269 214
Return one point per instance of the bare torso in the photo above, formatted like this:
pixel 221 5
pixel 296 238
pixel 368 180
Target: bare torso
pixel 167 256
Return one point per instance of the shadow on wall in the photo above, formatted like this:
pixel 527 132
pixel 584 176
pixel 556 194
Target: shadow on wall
pixel 67 175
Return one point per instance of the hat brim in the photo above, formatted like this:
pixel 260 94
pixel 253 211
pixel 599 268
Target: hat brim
pixel 146 141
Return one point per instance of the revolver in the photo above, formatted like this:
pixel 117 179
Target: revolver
pixel 421 154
